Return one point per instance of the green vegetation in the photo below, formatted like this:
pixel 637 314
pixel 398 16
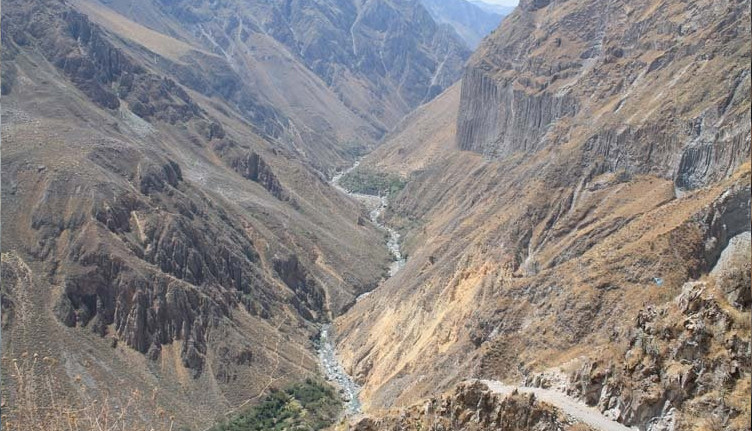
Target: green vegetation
pixel 311 405
pixel 355 149
pixel 372 183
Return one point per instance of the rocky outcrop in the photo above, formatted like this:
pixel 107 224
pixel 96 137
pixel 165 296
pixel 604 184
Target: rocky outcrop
pixel 214 77
pixel 685 362
pixel 727 217
pixel 102 71
pixel 150 264
pixel 253 167
pixel 499 121
pixel 309 296
pixel 196 275
pixel 473 407
pixel 732 271
pixel 681 358
pixel 156 179
pixel 146 312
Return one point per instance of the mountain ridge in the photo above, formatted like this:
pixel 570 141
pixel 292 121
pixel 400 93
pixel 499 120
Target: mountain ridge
pixel 574 215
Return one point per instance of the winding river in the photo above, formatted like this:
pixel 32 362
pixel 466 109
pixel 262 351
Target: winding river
pixel 333 369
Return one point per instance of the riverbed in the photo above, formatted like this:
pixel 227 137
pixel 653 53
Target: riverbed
pixel 333 369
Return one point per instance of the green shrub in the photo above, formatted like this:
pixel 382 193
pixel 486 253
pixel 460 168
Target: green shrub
pixel 372 183
pixel 311 405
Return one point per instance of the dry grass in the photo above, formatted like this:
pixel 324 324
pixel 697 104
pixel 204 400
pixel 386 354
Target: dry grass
pixel 34 403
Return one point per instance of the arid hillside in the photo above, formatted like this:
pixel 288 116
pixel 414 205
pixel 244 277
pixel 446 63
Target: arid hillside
pixel 473 407
pixel 598 169
pixel 169 235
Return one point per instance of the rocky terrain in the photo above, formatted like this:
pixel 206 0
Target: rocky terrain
pixel 473 407
pixel 324 78
pixel 570 222
pixel 617 83
pixel 560 201
pixel 168 227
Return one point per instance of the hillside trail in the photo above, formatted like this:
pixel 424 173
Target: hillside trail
pixel 572 407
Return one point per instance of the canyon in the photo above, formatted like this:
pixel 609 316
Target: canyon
pixel 557 197
pixel 168 225
pixel 206 204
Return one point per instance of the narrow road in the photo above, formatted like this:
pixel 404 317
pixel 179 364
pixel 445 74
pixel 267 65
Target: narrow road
pixel 576 409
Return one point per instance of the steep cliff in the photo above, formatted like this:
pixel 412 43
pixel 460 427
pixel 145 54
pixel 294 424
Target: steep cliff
pixel 619 82
pixel 600 163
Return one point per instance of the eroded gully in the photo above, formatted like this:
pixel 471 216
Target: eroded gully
pixel 333 369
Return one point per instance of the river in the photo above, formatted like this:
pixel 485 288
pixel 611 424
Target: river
pixel 333 369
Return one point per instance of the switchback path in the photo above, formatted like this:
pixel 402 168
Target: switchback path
pixel 576 409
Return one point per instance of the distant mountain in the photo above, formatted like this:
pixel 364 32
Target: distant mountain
pixel 321 78
pixel 471 21
pixel 494 8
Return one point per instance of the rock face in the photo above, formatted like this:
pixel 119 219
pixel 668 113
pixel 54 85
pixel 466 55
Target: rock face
pixel 627 86
pixel 254 168
pixel 471 22
pixel 686 356
pixel 573 197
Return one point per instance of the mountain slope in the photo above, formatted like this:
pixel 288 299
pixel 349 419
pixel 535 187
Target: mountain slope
pixel 160 235
pixel 326 78
pixel 598 76
pixel 471 22
pixel 599 169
